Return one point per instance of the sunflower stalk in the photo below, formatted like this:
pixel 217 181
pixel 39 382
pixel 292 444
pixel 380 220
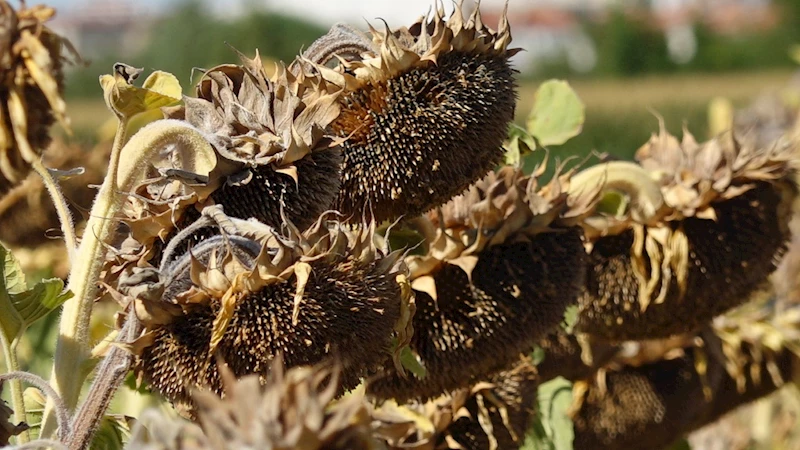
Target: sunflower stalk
pixel 62 210
pixel 72 348
pixel 12 365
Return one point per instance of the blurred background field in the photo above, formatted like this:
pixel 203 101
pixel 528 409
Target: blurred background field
pixel 629 61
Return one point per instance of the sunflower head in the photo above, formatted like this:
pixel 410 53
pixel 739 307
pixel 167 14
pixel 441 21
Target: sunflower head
pixel 31 84
pixel 248 294
pixel 711 227
pixel 483 294
pixel 492 414
pixel 424 110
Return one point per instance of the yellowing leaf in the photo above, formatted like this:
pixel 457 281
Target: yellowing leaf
pixel 126 100
pixel 557 113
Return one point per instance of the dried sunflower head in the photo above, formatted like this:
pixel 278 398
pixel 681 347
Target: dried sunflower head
pixel 31 84
pixel 710 230
pixel 273 132
pixel 743 358
pixel 272 156
pixel 248 294
pixel 425 110
pixel 294 409
pixel 502 263
pixel 492 414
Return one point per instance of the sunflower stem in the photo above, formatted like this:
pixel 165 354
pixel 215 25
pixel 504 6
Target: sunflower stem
pixel 17 400
pixel 110 376
pixel 62 210
pixel 128 166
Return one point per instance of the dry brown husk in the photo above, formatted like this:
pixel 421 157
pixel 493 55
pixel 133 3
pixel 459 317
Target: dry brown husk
pixel 719 232
pixel 31 85
pixel 294 409
pixel 475 312
pixel 325 293
pixel 492 414
pixel 425 112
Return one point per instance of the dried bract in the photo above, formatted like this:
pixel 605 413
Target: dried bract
pixel 294 410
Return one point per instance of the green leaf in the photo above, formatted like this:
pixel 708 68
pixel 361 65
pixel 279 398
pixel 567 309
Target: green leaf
pixel 557 115
pixel 410 362
pixel 126 100
pixel 518 144
pixel 20 306
pixel 111 434
pixel 555 399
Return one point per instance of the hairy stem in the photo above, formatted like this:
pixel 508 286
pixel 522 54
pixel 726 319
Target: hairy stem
pixel 110 376
pixel 17 401
pixel 64 215
pixel 128 166
pixel 35 380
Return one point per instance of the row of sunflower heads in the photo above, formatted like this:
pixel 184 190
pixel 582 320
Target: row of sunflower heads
pixel 248 252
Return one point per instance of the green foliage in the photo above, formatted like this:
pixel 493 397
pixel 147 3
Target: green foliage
pixel 21 306
pixel 553 429
pixel 557 115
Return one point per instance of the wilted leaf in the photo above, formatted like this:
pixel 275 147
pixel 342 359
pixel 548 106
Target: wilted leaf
pixel 126 100
pixel 557 113
pixel 20 306
pixel 8 429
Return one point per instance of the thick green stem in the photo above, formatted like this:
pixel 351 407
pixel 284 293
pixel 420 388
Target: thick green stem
pixel 18 403
pixel 128 167
pixel 64 215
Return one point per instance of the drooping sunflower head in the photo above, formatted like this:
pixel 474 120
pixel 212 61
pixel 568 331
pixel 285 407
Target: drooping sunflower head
pixel 270 134
pixel 425 110
pixel 495 273
pixel 31 84
pixel 712 225
pixel 248 294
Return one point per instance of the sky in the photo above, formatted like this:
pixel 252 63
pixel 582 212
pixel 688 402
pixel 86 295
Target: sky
pixel 322 11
